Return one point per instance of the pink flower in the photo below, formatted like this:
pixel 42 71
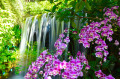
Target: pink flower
pixel 80 73
pixel 34 76
pixel 108 77
pixel 67 40
pixel 110 32
pixel 104 59
pixel 62 46
pixel 104 33
pixel 109 38
pixel 99 74
pixel 106 53
pixel 86 45
pixel 104 28
pixel 99 41
pixel 116 43
pixel 49 77
pixel 73 74
pixel 74 32
pixel 65 75
pixel 119 53
pixel 66 30
pixel 78 53
pixel 87 67
pixel 28 75
pixel 113 16
pixel 99 54
pixel 97 24
pixel 59 52
pixel 41 72
pixel 85 61
pixel 115 7
pixel 104 22
pixel 72 62
pixel 61 35
pixel 63 64
pixel 56 63
pixel 99 48
pixel 108 13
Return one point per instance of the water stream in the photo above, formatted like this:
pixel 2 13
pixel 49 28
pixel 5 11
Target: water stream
pixel 45 31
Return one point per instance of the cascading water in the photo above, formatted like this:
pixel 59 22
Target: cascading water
pixel 46 33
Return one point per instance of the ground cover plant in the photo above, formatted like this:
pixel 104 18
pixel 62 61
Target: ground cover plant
pixel 96 37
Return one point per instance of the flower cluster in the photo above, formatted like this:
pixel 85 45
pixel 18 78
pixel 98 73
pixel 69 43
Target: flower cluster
pixel 74 67
pixel 101 75
pixel 98 32
pixel 94 32
pixel 53 66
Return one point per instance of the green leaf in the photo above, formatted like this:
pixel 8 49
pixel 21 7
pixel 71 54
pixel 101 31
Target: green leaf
pixel 53 9
pixel 92 63
pixel 79 6
pixel 106 64
pixel 88 6
pixel 73 25
pixel 47 10
pixel 51 1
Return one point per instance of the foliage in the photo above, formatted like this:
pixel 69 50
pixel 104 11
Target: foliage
pixel 9 41
pixel 34 8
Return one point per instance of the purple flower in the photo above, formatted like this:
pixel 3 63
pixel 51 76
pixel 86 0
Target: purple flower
pixel 86 45
pixel 104 28
pixel 78 53
pixel 106 53
pixel 115 7
pixel 104 59
pixel 62 46
pixel 41 72
pixel 116 43
pixel 28 76
pixel 72 62
pixel 108 77
pixel 65 75
pixel 34 76
pixel 74 32
pixel 113 16
pixel 103 22
pixel 108 13
pixel 61 35
pixel 85 61
pixel 109 38
pixel 87 67
pixel 99 74
pixel 110 32
pixel 99 54
pixel 45 52
pixel 59 52
pixel 63 64
pixel 67 40
pixel 97 24
pixel 99 48
pixel 73 74
pixel 80 73
pixel 49 77
pixel 104 33
pixel 66 30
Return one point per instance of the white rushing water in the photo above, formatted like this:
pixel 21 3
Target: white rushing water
pixel 44 31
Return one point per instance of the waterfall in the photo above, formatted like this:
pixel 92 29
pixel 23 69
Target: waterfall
pixel 45 31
